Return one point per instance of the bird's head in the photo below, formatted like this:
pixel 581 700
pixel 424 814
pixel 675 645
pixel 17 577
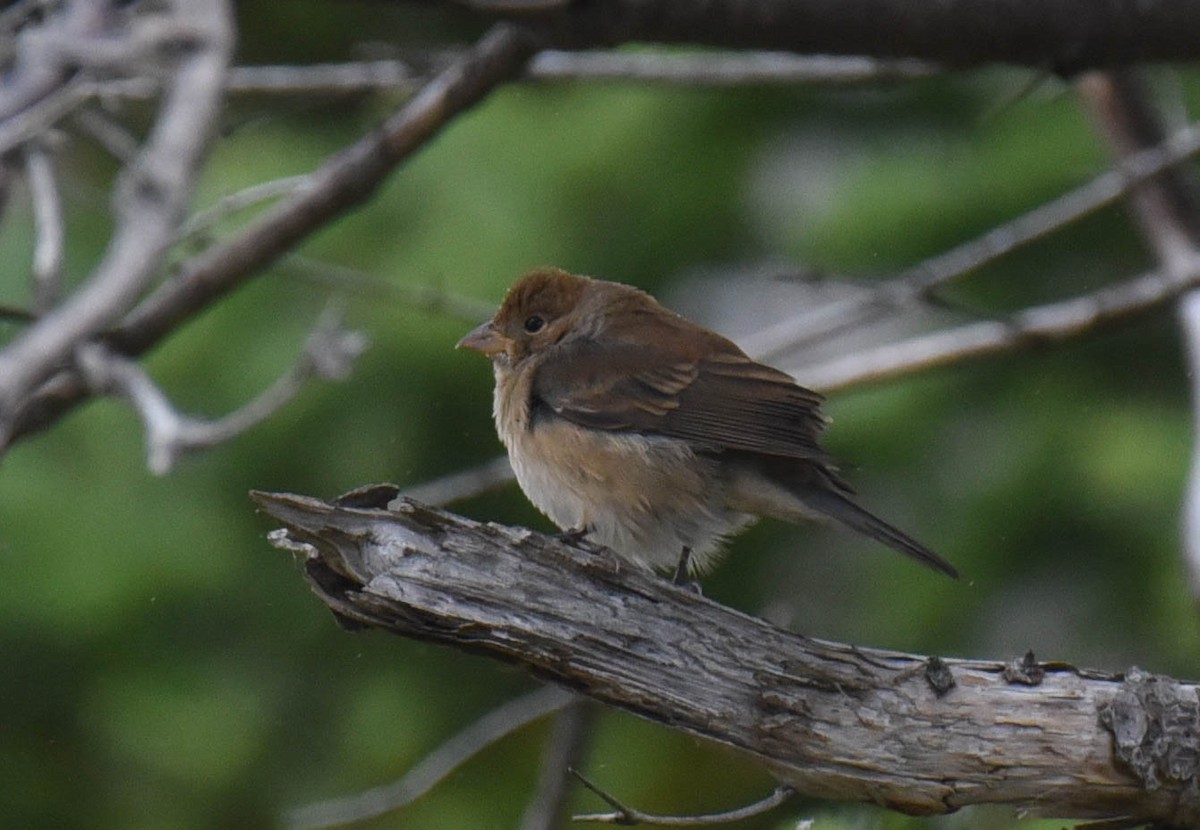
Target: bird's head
pixel 541 308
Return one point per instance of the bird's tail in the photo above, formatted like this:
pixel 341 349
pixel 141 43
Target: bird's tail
pixel 842 509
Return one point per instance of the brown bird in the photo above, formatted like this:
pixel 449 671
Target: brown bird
pixel 653 435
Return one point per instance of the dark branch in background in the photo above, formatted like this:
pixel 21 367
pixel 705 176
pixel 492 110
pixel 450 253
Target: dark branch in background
pixel 1057 35
pixel 914 734
pixel 1167 210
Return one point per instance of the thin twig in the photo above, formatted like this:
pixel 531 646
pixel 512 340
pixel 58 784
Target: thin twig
pixel 714 69
pixel 108 132
pixel 723 69
pixel 323 79
pixel 464 484
pixel 427 298
pixel 564 752
pixel 328 354
pixel 436 766
pixel 49 248
pixel 629 815
pixel 227 205
pixel 34 120
pixel 1031 326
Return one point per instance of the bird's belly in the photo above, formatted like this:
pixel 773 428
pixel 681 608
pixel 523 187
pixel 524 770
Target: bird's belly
pixel 646 497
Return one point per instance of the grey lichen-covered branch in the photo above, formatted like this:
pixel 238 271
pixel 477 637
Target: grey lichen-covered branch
pixel 915 734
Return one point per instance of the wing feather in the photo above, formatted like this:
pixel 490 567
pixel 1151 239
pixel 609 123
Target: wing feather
pixel 721 400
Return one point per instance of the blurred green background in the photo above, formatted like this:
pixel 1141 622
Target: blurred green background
pixel 164 667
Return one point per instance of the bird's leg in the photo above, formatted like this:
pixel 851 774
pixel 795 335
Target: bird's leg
pixel 681 569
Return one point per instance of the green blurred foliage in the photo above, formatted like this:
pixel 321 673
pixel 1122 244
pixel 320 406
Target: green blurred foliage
pixel 166 668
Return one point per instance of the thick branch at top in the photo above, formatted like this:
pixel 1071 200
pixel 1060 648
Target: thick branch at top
pixel 1057 35
pixel 915 734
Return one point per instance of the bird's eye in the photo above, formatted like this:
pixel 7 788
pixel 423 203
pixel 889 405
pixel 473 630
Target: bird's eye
pixel 534 323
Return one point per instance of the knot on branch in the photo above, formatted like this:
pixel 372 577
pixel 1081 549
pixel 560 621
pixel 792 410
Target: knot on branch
pixel 1155 724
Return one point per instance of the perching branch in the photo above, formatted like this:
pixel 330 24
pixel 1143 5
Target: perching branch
pixel 914 734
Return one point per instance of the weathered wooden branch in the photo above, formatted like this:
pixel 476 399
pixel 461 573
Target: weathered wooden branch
pixel 916 734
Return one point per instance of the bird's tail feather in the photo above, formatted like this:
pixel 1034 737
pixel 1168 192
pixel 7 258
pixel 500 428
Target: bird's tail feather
pixel 840 508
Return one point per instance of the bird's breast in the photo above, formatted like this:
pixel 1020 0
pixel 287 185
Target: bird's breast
pixel 644 496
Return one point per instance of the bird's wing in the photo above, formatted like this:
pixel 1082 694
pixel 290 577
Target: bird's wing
pixel 717 400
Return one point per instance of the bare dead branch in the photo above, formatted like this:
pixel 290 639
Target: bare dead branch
pixel 328 354
pixel 829 720
pixel 1030 327
pixel 434 767
pixel 1167 210
pixel 629 815
pixel 344 181
pixel 49 248
pixel 151 196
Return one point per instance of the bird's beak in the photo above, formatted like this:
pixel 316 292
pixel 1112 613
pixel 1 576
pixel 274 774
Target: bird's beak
pixel 484 339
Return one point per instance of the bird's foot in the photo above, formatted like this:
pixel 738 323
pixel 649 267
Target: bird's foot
pixel 573 536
